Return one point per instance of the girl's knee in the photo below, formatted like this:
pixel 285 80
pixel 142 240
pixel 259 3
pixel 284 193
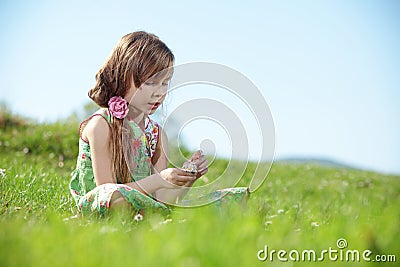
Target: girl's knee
pixel 118 201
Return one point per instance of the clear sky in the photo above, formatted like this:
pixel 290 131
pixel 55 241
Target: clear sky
pixel 328 69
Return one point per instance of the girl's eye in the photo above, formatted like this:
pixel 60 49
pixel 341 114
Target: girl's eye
pixel 149 83
pixel 166 82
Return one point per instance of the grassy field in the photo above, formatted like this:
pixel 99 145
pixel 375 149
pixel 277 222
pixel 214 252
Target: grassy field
pixel 298 207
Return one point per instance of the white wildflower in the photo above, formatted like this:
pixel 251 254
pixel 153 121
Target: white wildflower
pixel 138 217
pixel 2 172
pixel 166 221
pixel 266 223
pixel 314 224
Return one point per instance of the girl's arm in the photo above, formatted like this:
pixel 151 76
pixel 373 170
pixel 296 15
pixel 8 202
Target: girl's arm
pixel 160 162
pixel 97 133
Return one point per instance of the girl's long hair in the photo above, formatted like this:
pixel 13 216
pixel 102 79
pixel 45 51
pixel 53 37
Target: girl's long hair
pixel 136 57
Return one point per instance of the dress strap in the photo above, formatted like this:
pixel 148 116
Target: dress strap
pixel 152 130
pixel 103 112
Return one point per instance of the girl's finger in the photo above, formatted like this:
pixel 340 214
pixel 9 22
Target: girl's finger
pixel 181 172
pixel 196 155
pixel 203 171
pixel 202 166
pixel 201 160
pixel 185 179
pixel 188 174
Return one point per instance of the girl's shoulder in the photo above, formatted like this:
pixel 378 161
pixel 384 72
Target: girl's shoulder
pixel 97 125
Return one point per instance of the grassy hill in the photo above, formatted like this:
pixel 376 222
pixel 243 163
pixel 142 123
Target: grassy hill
pixel 299 207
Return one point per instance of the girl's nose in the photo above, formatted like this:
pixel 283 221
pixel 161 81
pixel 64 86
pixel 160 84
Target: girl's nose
pixel 160 91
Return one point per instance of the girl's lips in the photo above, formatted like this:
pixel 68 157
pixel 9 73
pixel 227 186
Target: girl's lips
pixel 154 105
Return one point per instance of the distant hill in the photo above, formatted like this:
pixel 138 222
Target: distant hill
pixel 324 162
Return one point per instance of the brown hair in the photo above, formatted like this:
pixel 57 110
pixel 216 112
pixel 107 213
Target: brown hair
pixel 137 56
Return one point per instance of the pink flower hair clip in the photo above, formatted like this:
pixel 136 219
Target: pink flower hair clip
pixel 118 107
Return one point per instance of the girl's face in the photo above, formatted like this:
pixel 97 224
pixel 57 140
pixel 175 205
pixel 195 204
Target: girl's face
pixel 150 95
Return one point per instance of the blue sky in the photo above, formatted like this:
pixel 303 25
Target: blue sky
pixel 328 69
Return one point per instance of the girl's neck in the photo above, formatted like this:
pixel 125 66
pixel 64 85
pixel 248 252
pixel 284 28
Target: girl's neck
pixel 137 116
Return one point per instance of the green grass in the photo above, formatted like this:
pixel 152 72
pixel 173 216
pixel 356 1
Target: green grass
pixel 297 207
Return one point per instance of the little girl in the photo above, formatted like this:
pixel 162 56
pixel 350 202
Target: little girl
pixel 122 159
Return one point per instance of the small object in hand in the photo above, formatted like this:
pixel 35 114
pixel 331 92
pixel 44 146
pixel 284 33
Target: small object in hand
pixel 189 166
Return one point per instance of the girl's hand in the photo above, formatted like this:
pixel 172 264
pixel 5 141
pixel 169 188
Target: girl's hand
pixel 176 177
pixel 201 163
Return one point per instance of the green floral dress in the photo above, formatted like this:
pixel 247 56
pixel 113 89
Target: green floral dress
pixel 90 198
